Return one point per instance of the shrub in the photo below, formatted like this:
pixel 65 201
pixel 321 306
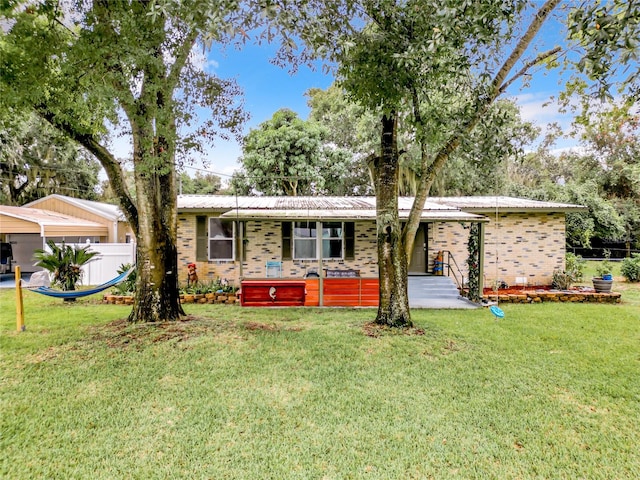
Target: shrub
pixel 604 267
pixel 128 286
pixel 561 280
pixel 575 266
pixel 631 268
pixel 64 262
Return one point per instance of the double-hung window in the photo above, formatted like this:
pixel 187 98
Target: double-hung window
pixel 332 238
pixel 304 240
pixel 221 235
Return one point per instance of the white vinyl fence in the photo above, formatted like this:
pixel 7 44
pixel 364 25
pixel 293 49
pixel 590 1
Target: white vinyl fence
pixel 105 266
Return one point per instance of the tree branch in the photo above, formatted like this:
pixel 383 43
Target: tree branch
pixel 106 159
pixel 532 63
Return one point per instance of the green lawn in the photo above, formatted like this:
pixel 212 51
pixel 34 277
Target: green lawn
pixel 551 391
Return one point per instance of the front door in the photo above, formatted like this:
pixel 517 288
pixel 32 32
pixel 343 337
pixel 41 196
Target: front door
pixel 418 261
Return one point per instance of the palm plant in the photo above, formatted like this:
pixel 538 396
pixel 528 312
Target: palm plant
pixel 64 262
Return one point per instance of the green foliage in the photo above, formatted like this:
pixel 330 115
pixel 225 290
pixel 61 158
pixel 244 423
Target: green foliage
pixel 630 268
pixel 216 286
pixel 289 156
pixel 128 286
pixel 604 267
pixel 561 280
pixel 64 263
pixel 473 262
pixel 574 270
pixel 609 32
pixel 201 184
pixel 36 161
pixel 575 266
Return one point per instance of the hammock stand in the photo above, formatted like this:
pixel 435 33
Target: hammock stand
pixel 50 292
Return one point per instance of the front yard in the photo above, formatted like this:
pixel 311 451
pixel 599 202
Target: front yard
pixel 551 391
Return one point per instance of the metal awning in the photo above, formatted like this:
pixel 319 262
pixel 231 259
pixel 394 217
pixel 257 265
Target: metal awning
pixel 448 215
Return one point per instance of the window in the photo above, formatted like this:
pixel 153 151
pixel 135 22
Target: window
pixel 221 235
pixel 338 240
pixel 332 239
pixel 304 240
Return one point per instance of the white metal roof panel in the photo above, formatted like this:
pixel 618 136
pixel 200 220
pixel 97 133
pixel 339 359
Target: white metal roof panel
pixel 490 203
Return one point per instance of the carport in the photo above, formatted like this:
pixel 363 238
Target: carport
pixel 28 229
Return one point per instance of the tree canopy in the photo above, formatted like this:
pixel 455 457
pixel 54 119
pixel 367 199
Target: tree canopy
pixel 290 156
pixel 36 160
pixel 127 68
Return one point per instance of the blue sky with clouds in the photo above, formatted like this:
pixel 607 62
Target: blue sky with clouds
pixel 267 88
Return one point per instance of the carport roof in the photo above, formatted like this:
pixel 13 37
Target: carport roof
pixel 46 223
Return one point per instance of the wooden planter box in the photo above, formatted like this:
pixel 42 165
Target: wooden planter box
pixel 343 292
pixel 272 293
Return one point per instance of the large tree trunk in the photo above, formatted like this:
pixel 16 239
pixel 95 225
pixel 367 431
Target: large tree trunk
pixel 393 308
pixel 157 296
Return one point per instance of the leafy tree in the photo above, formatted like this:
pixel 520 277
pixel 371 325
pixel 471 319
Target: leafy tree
pixel 64 262
pixel 86 65
pixel 476 168
pixel 387 69
pixel 36 161
pixel 405 51
pixel 288 156
pixel 201 184
pixel 602 176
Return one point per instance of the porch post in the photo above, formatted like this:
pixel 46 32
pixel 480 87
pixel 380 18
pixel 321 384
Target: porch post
pixel 240 230
pixel 319 250
pixel 481 230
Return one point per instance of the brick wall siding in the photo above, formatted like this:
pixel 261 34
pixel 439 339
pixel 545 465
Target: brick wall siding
pixel 528 244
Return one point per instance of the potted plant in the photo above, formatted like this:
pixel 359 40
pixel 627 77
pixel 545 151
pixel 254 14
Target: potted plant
pixel 602 283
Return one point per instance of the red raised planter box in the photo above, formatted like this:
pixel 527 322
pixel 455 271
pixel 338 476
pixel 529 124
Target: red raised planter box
pixel 272 293
pixel 351 292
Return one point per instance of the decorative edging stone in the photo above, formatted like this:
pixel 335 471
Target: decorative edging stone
pixel 557 296
pixel 210 298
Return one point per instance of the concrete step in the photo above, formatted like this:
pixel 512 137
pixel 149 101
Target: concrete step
pixel 432 287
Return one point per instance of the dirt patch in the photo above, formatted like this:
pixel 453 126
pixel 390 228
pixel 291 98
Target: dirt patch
pixel 374 330
pixel 269 327
pixel 123 334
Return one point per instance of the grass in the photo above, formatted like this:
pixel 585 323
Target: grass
pixel 551 391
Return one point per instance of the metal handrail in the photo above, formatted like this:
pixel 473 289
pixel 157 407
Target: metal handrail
pixel 451 259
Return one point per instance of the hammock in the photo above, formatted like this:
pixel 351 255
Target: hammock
pixel 81 293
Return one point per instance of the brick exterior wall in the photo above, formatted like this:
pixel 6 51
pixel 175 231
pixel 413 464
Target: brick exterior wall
pixel 529 245
pixel 264 243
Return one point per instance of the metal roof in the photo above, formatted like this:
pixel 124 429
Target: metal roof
pixel 53 223
pixel 435 208
pixel 106 210
pixel 506 204
pixel 370 214
pixel 227 202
